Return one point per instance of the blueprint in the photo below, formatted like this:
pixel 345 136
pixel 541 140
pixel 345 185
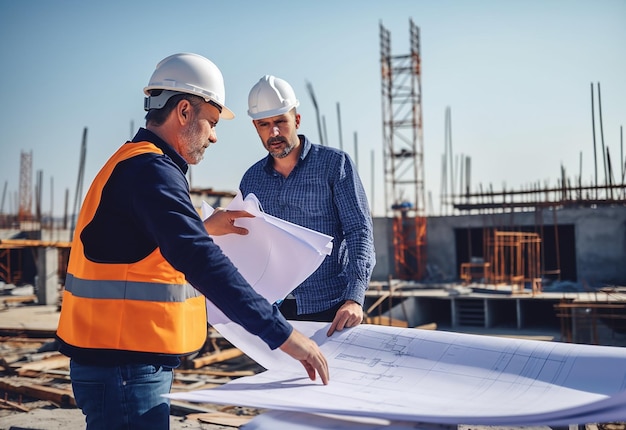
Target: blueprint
pixel 440 377
pixel 404 375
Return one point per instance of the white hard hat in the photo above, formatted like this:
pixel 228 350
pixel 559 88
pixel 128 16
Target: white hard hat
pixel 190 74
pixel 271 96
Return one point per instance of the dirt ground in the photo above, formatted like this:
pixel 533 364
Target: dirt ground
pixel 20 412
pixel 53 418
pixel 45 416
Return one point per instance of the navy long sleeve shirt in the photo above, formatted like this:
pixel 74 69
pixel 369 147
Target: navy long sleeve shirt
pixel 145 205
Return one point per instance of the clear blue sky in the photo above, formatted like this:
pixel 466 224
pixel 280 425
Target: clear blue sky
pixel 516 75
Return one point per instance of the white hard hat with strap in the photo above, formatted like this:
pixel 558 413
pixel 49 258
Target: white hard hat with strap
pixel 190 74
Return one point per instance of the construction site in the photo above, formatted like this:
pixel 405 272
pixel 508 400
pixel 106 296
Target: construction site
pixel 542 262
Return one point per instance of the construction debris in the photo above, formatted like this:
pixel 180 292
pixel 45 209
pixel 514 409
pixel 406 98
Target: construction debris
pixel 34 375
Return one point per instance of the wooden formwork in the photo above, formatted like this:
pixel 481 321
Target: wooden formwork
pixel 515 259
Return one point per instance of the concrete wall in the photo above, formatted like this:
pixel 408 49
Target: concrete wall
pixel 383 244
pixel 600 236
pixel 601 246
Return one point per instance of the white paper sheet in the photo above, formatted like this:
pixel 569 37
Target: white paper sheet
pixel 274 257
pixel 282 420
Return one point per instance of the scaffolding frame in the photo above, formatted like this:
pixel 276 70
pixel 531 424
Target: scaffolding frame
pixel 404 153
pixel 515 259
pixel 8 274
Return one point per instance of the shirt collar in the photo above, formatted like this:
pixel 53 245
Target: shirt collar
pixel 306 146
pixel 144 135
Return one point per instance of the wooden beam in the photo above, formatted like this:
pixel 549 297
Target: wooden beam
pixel 31 298
pixel 221 418
pixel 25 243
pixel 14 405
pixel 63 398
pixel 216 357
pixel 385 320
pixel 55 361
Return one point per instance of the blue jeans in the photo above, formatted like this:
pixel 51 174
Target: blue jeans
pixel 122 397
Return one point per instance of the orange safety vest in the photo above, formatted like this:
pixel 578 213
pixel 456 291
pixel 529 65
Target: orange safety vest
pixel 145 306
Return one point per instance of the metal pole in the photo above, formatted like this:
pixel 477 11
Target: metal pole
pixel 317 113
pixel 373 182
pixel 339 125
pixel 593 130
pixel 602 135
pixel 621 144
pixel 356 152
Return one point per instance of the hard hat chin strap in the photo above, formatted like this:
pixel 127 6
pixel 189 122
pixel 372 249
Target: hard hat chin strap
pixel 158 99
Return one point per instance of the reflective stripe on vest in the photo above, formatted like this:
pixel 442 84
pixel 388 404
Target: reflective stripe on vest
pixel 145 306
pixel 100 289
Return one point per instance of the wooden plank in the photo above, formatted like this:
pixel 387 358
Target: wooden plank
pixel 55 361
pixel 34 243
pixel 57 374
pixel 216 357
pixel 220 418
pixel 14 405
pixel 28 332
pixel 214 372
pixel 16 340
pixel 6 300
pixel 384 320
pixel 429 326
pixel 63 398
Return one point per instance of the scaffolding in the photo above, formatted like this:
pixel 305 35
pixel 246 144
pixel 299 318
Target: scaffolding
pixel 598 322
pixel 15 253
pixel 537 197
pixel 568 192
pixel 404 153
pixel 516 260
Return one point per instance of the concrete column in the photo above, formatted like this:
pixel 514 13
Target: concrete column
pixel 454 312
pixel 487 310
pixel 47 284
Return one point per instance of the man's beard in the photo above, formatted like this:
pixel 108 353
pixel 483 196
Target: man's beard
pixel 286 150
pixel 195 147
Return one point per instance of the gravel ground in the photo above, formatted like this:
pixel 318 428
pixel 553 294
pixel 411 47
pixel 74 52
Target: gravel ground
pixel 44 416
pixel 66 419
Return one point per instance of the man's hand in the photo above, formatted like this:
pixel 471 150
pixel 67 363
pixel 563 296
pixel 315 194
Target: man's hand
pixel 308 353
pixel 350 314
pixel 222 222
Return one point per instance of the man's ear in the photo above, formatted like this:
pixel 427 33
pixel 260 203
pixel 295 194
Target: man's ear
pixel 183 111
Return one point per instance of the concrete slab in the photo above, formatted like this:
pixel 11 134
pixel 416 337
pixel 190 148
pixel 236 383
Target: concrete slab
pixel 29 317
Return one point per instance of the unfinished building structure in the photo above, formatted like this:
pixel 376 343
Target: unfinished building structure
pixel 538 242
pixel 403 151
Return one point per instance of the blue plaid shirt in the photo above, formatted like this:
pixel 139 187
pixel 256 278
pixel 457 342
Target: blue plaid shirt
pixel 323 193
